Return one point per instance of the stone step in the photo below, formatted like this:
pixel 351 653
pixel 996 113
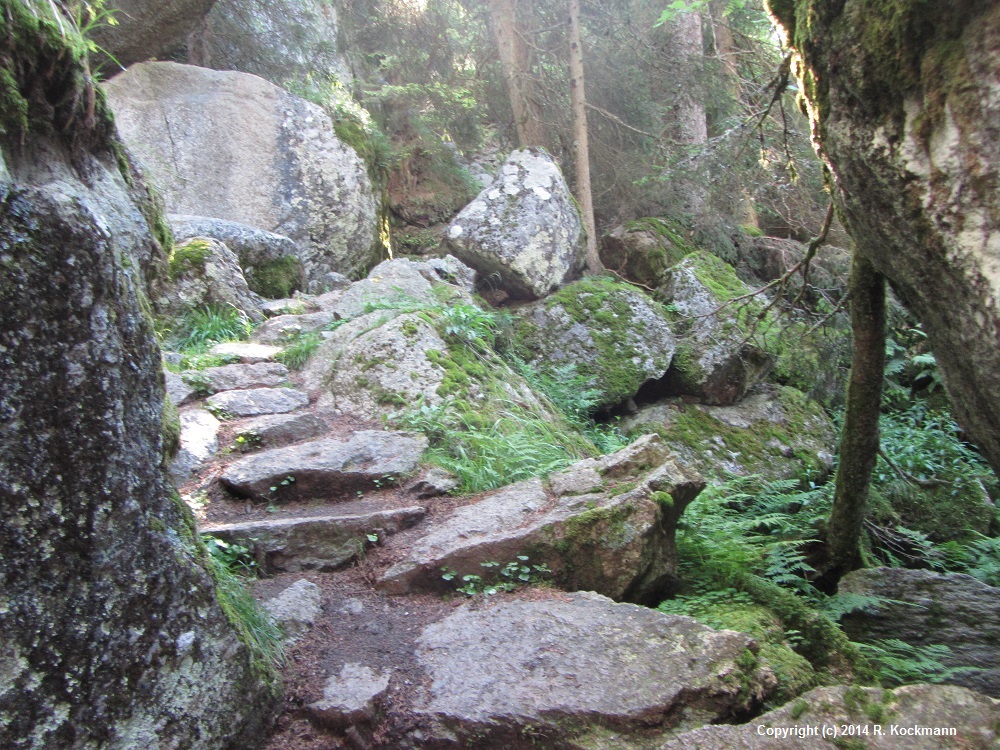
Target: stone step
pixel 277 430
pixel 236 377
pixel 199 442
pixel 328 468
pixel 258 401
pixel 247 354
pixel 316 542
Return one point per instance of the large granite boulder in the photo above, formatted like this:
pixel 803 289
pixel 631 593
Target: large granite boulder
pixel 921 607
pixel 607 526
pixel 578 671
pixel 233 146
pixel 915 717
pixel 280 40
pixel 144 28
pixel 718 359
pixel 610 331
pixel 904 107
pixel 270 262
pixel 523 233
pixel 775 431
pixel 206 273
pixel 111 632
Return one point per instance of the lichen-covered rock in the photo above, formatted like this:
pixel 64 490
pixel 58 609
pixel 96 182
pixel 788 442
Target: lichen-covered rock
pixel 398 284
pixel 144 28
pixel 617 543
pixel 610 331
pixel 276 164
pixel 245 353
pixel 522 233
pixel 280 40
pixel 921 607
pixel 906 121
pixel 643 250
pixel 917 717
pixel 326 468
pixel 110 629
pixel 324 541
pixel 581 672
pixel 775 432
pixel 716 358
pixel 270 262
pixel 206 273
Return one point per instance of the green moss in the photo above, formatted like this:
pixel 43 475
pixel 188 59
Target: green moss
pixel 189 257
pixel 717 276
pixel 604 305
pixel 278 279
pixel 799 708
pixel 608 528
pixel 761 448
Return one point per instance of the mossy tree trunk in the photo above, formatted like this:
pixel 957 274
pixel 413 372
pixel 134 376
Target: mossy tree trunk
pixel 859 442
pixel 904 100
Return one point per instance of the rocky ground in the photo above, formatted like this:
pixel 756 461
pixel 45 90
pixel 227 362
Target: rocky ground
pixel 352 534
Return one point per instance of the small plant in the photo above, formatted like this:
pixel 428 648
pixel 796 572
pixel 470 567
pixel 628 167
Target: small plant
pixel 299 349
pixel 246 441
pixel 506 577
pixel 234 557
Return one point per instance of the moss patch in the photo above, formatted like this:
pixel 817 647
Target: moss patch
pixel 278 279
pixel 605 307
pixel 170 430
pixel 189 257
pixel 770 449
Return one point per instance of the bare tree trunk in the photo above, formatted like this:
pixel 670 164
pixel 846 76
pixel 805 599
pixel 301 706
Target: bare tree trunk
pixel 581 143
pixel 859 442
pixel 516 68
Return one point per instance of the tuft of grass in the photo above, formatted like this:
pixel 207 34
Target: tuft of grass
pixel 201 328
pixel 512 447
pixel 300 348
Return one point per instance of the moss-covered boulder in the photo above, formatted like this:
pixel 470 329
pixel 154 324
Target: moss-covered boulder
pixel 270 261
pixel 719 357
pixel 112 632
pixel 644 249
pixel 523 233
pixel 775 432
pixel 206 273
pixel 611 331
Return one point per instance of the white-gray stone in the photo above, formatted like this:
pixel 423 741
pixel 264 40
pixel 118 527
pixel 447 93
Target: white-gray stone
pixel 233 377
pixel 580 671
pixel 257 401
pixel 350 697
pixel 524 230
pixel 214 281
pixel 276 430
pixel 199 442
pixel 296 607
pixel 247 353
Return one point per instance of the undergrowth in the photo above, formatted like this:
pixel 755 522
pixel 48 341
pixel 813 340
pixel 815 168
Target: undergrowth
pixel 298 349
pixel 199 329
